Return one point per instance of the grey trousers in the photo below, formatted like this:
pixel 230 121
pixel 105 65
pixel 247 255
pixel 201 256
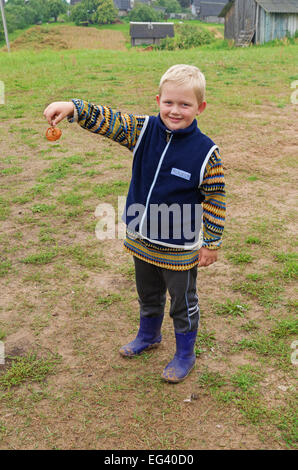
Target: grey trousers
pixel 152 284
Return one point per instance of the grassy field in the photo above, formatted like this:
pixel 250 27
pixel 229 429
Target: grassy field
pixel 68 300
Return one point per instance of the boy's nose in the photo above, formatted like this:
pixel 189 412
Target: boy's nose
pixel 175 109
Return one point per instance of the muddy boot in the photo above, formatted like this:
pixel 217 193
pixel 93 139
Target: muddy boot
pixel 184 358
pixel 148 337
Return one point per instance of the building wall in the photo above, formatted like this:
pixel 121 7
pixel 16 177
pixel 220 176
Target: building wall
pixel 292 24
pixel 212 19
pixel 272 26
pixel 245 13
pixel 230 23
pixel 142 41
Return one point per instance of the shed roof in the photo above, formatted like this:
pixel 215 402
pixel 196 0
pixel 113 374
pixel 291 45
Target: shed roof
pixel 271 6
pixel 211 8
pixel 226 8
pixel 122 4
pixel 279 6
pixel 151 30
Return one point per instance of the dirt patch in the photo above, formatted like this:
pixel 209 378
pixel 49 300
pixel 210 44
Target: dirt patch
pixel 216 33
pixel 69 37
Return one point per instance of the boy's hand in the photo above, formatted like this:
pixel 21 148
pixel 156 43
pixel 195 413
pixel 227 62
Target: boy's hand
pixel 207 256
pixel 57 111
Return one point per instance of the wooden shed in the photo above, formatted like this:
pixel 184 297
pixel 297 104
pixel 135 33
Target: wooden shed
pixel 208 10
pixel 260 21
pixel 150 33
pixel 123 6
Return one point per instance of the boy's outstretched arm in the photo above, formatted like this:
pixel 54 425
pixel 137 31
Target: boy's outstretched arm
pixel 214 208
pixel 121 127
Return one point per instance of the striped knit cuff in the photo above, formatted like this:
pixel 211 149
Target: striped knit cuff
pixel 75 117
pixel 211 247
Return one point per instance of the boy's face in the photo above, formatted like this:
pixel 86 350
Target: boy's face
pixel 178 106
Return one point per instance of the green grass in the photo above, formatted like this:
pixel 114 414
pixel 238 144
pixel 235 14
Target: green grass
pixel 240 258
pixel 29 367
pixel 13 170
pixel 108 300
pixel 71 199
pixel 267 293
pixel 211 380
pixel 43 257
pixel 289 263
pixel 205 342
pixel 235 308
pixel 43 208
pixel 285 327
pixel 252 240
pixel 5 266
pixel 273 348
pixel 84 257
pixel 246 378
pixel 115 187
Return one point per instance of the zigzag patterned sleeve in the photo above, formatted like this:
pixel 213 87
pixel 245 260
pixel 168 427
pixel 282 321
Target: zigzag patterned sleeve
pixel 214 206
pixel 122 128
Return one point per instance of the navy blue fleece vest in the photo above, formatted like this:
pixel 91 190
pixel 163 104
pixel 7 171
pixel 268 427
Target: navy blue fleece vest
pixel 164 201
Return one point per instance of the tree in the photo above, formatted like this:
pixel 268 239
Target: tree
pixel 106 13
pixel 84 11
pixel 171 6
pixel 142 12
pixel 55 7
pixel 184 3
pixel 20 14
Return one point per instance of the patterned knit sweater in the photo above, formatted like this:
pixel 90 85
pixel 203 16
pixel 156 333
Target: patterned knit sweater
pixel 125 129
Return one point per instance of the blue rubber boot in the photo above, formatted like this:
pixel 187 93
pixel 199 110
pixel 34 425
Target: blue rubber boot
pixel 184 360
pixel 148 337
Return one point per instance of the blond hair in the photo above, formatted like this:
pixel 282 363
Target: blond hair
pixel 182 74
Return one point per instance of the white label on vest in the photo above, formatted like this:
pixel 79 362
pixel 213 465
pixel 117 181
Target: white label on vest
pixel 181 173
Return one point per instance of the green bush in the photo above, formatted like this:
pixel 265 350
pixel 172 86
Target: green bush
pixel 84 11
pixel 143 12
pixel 21 14
pixel 186 37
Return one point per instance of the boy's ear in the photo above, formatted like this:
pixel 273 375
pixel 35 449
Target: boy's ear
pixel 158 100
pixel 202 107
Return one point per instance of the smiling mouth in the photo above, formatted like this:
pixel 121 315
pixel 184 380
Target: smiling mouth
pixel 174 119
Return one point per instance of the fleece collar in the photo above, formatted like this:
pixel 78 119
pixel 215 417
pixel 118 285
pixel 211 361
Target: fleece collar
pixel 179 132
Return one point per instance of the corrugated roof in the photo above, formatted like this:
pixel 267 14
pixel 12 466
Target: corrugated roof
pixel 122 4
pixel 151 30
pixel 279 6
pixel 226 8
pixel 211 8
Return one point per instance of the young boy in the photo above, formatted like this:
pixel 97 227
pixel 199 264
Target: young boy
pixel 175 169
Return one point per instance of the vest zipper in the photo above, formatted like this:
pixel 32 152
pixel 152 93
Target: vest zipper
pixel 169 133
pixel 154 181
